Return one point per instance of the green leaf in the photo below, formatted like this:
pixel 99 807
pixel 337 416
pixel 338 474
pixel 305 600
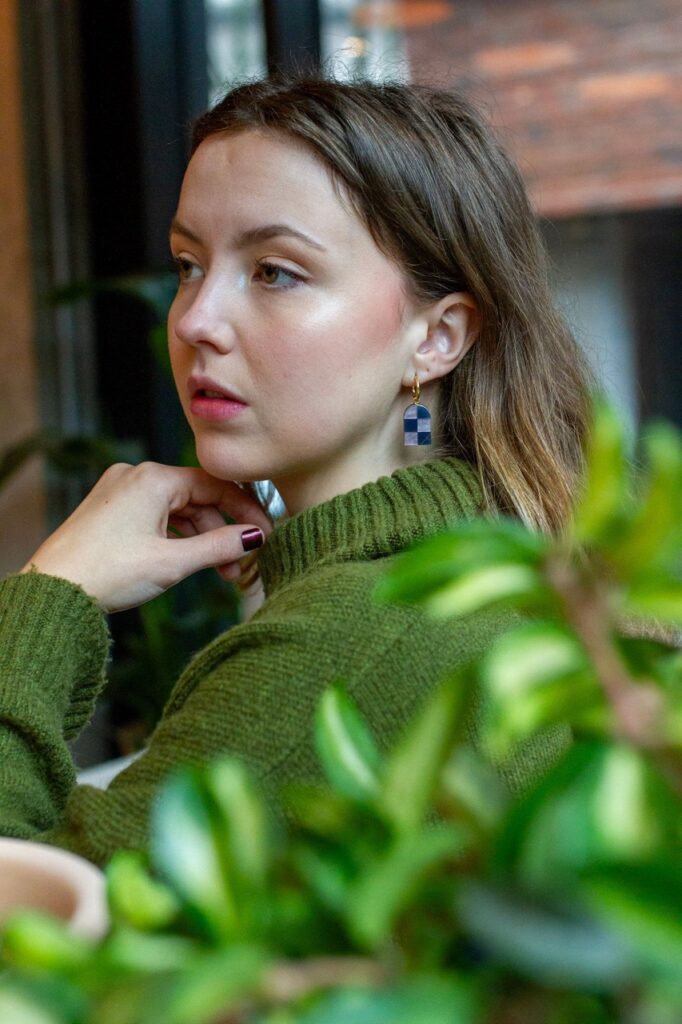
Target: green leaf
pixel 654 535
pixel 422 999
pixel 189 856
pixel 134 896
pixel 529 657
pixel 327 872
pixel 388 885
pixel 33 939
pixel 154 290
pixel 138 953
pixel 211 842
pixel 295 928
pixel 508 584
pixel 18 1007
pixel 643 902
pixel 126 997
pixel 650 656
pixel 470 785
pixel 243 822
pixel 604 502
pixel 316 808
pixel 211 986
pixel 158 342
pixel 533 676
pixel 68 454
pixel 655 600
pixel 601 802
pixel 13 458
pixel 412 769
pixel 347 751
pixel 433 563
pixel 544 941
pixel 42 998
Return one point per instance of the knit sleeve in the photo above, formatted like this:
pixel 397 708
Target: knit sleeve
pixel 54 647
pixel 251 693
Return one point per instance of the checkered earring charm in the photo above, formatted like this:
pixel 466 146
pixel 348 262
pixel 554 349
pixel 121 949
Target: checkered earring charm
pixel 416 419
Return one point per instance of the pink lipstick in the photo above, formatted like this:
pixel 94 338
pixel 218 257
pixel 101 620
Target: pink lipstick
pixel 214 409
pixel 209 400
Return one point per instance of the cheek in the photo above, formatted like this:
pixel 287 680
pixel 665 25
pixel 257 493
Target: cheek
pixel 329 365
pixel 363 341
pixel 340 334
pixel 385 318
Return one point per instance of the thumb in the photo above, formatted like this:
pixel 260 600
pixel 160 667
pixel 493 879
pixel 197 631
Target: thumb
pixel 214 547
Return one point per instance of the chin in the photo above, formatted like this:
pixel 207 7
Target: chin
pixel 222 461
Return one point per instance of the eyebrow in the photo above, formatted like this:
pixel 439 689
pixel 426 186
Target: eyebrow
pixel 252 235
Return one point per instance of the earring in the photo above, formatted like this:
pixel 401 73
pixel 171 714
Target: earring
pixel 416 419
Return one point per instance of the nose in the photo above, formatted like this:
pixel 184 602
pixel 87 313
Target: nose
pixel 204 318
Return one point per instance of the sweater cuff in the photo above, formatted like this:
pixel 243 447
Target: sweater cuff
pixel 54 648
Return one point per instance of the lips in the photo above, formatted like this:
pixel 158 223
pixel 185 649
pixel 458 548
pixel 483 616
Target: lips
pixel 200 386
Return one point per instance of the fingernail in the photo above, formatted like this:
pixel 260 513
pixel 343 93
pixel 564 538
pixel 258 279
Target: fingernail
pixel 252 539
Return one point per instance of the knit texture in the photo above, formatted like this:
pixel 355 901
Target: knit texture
pixel 253 690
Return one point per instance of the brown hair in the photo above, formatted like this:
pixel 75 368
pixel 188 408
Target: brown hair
pixel 439 195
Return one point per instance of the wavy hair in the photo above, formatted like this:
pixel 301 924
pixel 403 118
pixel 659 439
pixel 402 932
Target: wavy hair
pixel 442 199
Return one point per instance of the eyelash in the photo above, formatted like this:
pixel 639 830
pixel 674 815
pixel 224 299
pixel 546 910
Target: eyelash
pixel 178 263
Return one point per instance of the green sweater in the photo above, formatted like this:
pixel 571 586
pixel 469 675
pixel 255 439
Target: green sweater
pixel 253 690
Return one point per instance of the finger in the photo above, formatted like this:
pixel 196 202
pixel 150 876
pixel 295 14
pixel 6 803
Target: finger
pixel 199 519
pixel 229 572
pixel 191 485
pixel 244 573
pixel 245 570
pixel 248 576
pixel 214 548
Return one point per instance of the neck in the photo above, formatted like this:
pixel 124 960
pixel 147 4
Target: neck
pixel 368 458
pixel 312 486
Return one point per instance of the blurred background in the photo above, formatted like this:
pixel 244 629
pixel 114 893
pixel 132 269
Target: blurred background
pixel 96 100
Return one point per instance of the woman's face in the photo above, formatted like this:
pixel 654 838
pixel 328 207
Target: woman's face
pixel 308 334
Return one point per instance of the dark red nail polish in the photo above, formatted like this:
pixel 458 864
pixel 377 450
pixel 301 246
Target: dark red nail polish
pixel 252 539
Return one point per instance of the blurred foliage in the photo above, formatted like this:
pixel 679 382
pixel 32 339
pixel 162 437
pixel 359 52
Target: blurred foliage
pixel 414 887
pixel 69 456
pixel 155 291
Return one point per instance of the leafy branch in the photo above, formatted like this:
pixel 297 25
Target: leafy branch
pixel 418 884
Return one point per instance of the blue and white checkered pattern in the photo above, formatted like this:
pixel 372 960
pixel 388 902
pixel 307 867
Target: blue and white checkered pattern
pixel 417 424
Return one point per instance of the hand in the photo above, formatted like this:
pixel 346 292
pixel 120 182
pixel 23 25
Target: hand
pixel 116 544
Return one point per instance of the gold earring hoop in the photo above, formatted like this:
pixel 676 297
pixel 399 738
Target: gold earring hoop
pixel 416 419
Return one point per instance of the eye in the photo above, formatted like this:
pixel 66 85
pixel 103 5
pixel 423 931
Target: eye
pixel 269 270
pixel 183 267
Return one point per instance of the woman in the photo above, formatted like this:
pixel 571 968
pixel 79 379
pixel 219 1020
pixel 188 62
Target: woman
pixel 342 249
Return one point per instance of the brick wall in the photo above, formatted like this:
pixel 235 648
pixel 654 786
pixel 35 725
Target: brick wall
pixel 587 94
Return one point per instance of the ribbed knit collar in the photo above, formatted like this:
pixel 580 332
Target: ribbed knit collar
pixel 371 521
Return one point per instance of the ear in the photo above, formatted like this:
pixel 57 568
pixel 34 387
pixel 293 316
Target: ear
pixel 444 333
